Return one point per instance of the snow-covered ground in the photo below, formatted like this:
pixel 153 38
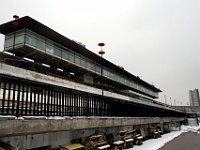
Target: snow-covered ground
pixel 155 144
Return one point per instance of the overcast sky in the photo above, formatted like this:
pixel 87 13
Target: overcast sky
pixel 157 40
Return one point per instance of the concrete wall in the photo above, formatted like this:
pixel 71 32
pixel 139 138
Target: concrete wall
pixel 28 125
pixel 33 132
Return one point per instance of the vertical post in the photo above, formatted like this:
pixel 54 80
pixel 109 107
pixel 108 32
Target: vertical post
pixel 15 23
pixel 18 99
pixel 101 53
pixel 38 101
pixel 42 103
pixel 22 105
pixel 63 103
pixel 27 99
pixel 30 102
pixel 4 97
pixel 48 101
pixel 8 108
pixel 13 100
pixel 170 101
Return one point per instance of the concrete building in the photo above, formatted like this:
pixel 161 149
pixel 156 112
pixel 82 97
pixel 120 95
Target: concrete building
pixel 53 90
pixel 194 97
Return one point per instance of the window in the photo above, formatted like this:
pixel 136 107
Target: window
pixel 65 54
pixel 57 51
pixel 108 73
pixel 98 69
pixel 8 43
pixel 49 48
pixel 71 57
pixel 105 73
pixel 92 66
pixel 88 65
pixel 77 60
pixel 111 75
pixel 83 62
pixel 31 38
pixel 40 43
pixel 19 37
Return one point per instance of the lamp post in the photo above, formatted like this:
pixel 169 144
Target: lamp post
pixel 165 98
pixel 15 23
pixel 101 52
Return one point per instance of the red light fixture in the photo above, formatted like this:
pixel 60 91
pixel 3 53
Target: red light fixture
pixel 101 52
pixel 15 23
pixel 101 45
pixel 15 16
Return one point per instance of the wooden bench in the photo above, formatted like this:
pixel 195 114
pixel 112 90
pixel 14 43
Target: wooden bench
pixel 104 147
pixel 153 132
pixel 96 142
pixel 115 144
pixel 118 144
pixel 72 147
pixel 126 137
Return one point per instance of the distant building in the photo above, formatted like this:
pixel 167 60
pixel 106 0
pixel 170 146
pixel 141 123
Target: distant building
pixel 194 97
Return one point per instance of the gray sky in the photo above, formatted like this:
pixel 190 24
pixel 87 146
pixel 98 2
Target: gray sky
pixel 158 40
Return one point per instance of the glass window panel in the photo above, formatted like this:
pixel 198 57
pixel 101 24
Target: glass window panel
pixel 108 73
pixel 8 42
pixel 92 66
pixel 11 35
pixel 20 32
pixel 83 62
pixel 57 51
pixel 120 79
pixel 88 65
pixel 49 49
pixel 77 60
pixel 133 85
pixel 116 77
pixel 105 72
pixel 125 81
pixel 128 82
pixel 30 40
pixel 71 57
pixel 98 69
pixel 40 45
pixel 19 39
pixel 111 75
pixel 65 54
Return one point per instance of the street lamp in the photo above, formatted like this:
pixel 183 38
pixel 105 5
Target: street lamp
pixel 165 98
pixel 101 52
pixel 15 23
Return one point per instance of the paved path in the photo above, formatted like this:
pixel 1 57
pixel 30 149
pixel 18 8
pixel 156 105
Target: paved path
pixel 186 141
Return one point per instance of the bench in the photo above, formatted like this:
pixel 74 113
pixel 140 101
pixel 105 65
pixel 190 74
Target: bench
pixel 72 147
pixel 154 132
pixel 118 144
pixel 103 147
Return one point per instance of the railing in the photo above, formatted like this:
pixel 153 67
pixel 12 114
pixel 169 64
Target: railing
pixel 20 97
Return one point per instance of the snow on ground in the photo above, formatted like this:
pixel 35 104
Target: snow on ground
pixel 155 144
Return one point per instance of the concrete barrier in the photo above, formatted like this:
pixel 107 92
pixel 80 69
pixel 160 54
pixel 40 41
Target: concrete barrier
pixel 29 125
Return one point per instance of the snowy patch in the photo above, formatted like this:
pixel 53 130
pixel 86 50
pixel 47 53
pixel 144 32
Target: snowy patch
pixel 155 144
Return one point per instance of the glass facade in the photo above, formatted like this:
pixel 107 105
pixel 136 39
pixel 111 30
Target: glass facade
pixel 29 38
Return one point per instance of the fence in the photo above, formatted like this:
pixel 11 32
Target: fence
pixel 27 98
pixel 19 98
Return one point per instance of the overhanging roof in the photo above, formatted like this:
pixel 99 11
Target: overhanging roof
pixel 33 25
